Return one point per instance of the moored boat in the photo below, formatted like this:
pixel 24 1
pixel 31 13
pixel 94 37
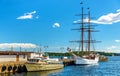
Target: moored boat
pixel 43 64
pixel 85 41
pixel 85 59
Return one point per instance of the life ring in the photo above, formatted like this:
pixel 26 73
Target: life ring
pixel 15 68
pixel 3 68
pixel 10 68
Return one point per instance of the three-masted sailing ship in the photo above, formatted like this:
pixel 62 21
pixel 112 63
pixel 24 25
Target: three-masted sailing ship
pixel 85 26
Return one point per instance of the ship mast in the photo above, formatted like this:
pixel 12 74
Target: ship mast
pixel 85 26
pixel 90 40
pixel 82 32
pixel 89 31
pixel 81 29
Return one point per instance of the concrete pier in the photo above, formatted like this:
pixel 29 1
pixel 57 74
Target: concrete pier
pixel 13 61
pixel 12 67
pixel 68 62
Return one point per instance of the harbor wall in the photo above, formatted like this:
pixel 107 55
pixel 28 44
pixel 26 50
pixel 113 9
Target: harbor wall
pixel 6 58
pixel 12 67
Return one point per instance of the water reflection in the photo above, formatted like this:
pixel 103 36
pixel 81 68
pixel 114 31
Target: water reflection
pixel 41 73
pixel 83 70
pixel 11 74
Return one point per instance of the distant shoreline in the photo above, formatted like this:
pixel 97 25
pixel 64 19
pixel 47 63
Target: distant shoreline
pixel 67 54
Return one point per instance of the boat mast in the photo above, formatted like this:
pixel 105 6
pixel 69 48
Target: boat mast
pixel 82 32
pixel 85 26
pixel 90 40
pixel 89 32
pixel 81 29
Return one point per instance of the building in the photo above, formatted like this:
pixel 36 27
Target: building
pixel 6 56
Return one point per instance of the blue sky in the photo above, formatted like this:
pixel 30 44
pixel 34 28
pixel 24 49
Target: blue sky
pixel 49 22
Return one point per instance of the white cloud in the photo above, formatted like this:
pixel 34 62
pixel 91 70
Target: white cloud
pixel 56 25
pixel 109 18
pixel 17 45
pixel 28 15
pixel 118 10
pixel 84 20
pixel 111 47
pixel 37 17
pixel 112 51
pixel 118 41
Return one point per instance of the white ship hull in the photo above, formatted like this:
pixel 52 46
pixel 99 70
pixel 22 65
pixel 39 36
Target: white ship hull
pixel 84 61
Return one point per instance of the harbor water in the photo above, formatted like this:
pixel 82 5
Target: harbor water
pixel 110 68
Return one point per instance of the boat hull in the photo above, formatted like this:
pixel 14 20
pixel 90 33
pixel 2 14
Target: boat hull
pixel 43 67
pixel 83 61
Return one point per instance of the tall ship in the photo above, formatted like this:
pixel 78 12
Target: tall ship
pixel 87 57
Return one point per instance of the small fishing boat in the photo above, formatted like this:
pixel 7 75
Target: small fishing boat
pixel 43 64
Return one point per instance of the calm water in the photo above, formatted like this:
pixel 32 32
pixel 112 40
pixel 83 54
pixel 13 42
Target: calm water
pixel 110 68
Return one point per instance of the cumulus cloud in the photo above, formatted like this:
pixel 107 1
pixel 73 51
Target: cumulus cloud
pixel 56 25
pixel 118 10
pixel 79 21
pixel 28 15
pixel 118 41
pixel 37 17
pixel 111 47
pixel 109 18
pixel 17 45
pixel 114 49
